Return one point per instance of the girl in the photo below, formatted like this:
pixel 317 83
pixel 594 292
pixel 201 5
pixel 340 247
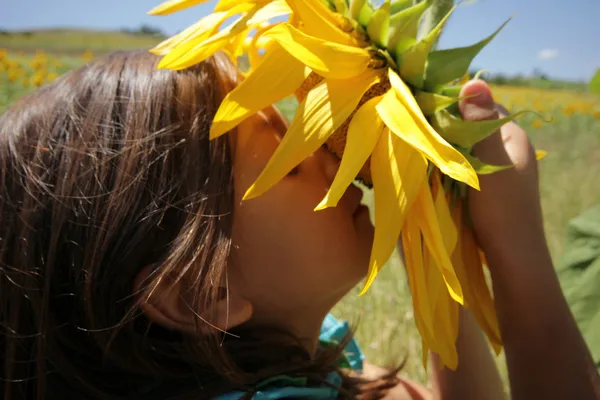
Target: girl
pixel 131 269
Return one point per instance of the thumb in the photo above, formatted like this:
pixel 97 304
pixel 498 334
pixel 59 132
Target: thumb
pixel 477 103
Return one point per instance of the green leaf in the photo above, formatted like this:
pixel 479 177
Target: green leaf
pixel 379 25
pixel 595 83
pixel 466 133
pixel 443 66
pixel 399 5
pixel 430 103
pixel 412 61
pixel 579 274
pixel 404 27
pixel 480 167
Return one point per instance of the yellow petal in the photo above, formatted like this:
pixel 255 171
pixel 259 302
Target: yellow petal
pixel 269 11
pixel 539 154
pixel 403 115
pixel 433 237
pixel 224 5
pixel 445 308
pixel 398 172
pixel 444 216
pixel 363 133
pixel 446 318
pixel 199 31
pixel 415 268
pixel 469 270
pixel 435 288
pixel 172 6
pixel 193 52
pixel 267 84
pixel 328 59
pixel 254 44
pixel 326 107
pixel 319 21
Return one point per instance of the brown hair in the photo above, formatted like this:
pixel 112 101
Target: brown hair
pixel 106 171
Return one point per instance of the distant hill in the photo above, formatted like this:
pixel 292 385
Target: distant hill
pixel 74 41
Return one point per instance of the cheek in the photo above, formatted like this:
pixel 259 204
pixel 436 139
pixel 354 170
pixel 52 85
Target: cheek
pixel 285 250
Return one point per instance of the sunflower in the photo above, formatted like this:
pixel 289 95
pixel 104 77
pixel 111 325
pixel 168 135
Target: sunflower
pixel 378 95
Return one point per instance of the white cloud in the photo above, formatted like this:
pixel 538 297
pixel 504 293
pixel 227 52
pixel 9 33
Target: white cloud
pixel 547 54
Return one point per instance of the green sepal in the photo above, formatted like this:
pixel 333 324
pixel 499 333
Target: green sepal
pixel 356 7
pixel 399 5
pixel 361 11
pixel 595 83
pixel 480 167
pixel 430 103
pixel 451 91
pixel 467 133
pixel 379 24
pixel 444 66
pixel 479 74
pixel 341 6
pixel 404 27
pixel 412 62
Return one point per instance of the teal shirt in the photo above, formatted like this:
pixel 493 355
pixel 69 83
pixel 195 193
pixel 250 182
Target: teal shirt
pixel 282 387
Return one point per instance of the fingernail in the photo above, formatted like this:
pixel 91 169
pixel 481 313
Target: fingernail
pixel 479 94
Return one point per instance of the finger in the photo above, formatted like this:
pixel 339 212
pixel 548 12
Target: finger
pixel 478 105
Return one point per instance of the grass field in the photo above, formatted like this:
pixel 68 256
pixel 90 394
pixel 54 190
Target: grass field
pixel 73 42
pixel 569 185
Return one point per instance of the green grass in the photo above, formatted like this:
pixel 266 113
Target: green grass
pixel 69 41
pixel 569 185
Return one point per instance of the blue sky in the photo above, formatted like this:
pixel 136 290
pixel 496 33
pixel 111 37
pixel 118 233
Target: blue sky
pixel 560 37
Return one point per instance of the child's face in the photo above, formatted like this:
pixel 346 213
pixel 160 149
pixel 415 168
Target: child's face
pixel 289 260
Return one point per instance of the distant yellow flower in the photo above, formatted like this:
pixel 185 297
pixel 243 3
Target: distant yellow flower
pixel 38 64
pixel 12 64
pixel 570 110
pixel 52 76
pixel 537 123
pixel 38 79
pixel 87 56
pixel 3 54
pixel 596 114
pixel 13 75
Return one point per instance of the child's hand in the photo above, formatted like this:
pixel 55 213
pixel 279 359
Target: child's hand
pixel 541 340
pixel 506 213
